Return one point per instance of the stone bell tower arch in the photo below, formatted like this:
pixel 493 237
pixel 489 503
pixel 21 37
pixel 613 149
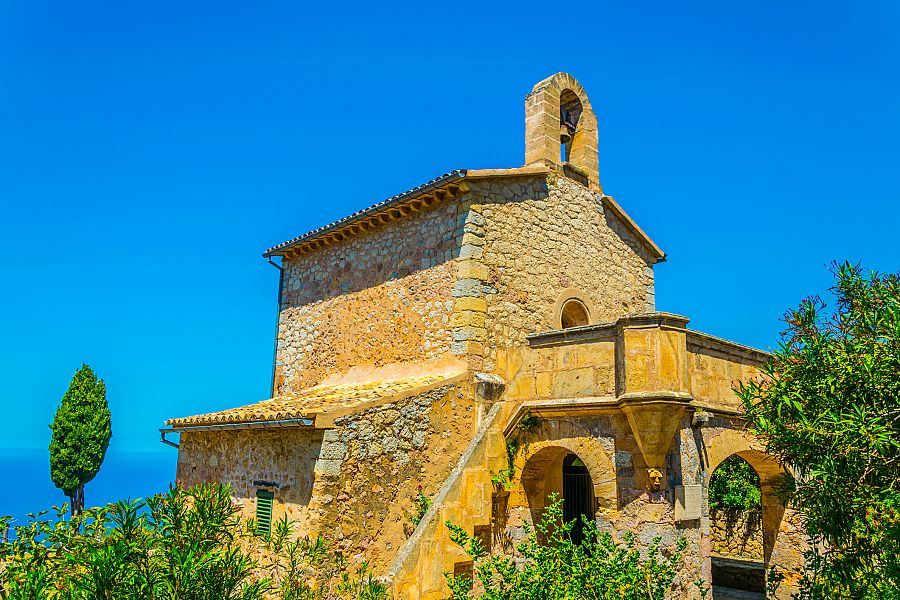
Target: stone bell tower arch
pixel 561 128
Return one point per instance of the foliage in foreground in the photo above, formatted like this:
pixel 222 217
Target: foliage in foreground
pixel 828 405
pixel 82 428
pixel 735 486
pixel 187 544
pixel 555 568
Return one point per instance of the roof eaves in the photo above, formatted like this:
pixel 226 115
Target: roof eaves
pixel 176 426
pixel 435 183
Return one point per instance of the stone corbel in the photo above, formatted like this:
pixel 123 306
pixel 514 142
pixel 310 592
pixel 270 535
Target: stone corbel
pixel 488 389
pixel 655 420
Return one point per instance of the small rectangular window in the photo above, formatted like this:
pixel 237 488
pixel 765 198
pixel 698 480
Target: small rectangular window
pixel 264 501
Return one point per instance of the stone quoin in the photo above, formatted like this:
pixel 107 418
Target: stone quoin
pixel 417 336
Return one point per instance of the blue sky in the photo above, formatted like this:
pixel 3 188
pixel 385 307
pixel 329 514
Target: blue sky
pixel 150 151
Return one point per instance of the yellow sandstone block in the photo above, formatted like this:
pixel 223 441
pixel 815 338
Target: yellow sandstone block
pixel 605 380
pixel 540 359
pixel 544 384
pixel 521 388
pixel 500 363
pixel 470 304
pixel 574 383
pixel 472 269
pixel 514 360
pixel 672 361
pixel 586 355
pixel 468 318
pixel 476 348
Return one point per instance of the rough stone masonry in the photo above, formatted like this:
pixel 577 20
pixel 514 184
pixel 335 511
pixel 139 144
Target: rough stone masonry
pixel 415 336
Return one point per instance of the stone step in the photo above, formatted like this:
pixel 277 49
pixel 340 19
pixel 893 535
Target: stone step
pixel 724 593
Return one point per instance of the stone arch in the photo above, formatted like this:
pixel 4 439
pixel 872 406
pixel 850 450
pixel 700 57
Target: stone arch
pixel 566 298
pixel 783 541
pixel 574 314
pixel 543 112
pixel 545 448
pixel 741 442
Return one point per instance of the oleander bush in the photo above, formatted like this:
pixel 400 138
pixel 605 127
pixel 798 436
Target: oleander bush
pixel 187 544
pixel 828 405
pixel 551 566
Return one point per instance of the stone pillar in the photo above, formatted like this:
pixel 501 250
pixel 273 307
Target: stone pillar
pixel 784 541
pixel 689 471
pixel 469 303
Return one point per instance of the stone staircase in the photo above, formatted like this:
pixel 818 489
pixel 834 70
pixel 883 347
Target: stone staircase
pixel 466 497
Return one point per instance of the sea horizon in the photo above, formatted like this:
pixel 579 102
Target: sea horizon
pixel 125 474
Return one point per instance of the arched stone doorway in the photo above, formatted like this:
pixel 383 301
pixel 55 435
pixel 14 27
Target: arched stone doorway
pixel 783 539
pixel 735 525
pixel 561 456
pixel 557 472
pixel 578 495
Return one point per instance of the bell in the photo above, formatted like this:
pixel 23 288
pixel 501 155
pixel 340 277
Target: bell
pixel 564 136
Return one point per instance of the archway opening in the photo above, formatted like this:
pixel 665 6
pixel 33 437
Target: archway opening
pixel 577 494
pixel 570 110
pixel 558 472
pixel 574 314
pixel 736 528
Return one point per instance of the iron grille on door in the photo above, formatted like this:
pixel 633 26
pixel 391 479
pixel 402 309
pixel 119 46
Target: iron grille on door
pixel 578 495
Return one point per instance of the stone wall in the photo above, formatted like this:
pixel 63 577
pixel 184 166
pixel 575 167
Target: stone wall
pixel 464 277
pixel 736 533
pixel 546 235
pixel 569 371
pixel 715 368
pixel 381 297
pixel 386 454
pixel 356 483
pixel 238 457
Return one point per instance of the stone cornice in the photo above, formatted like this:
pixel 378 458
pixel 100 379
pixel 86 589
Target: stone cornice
pixel 596 405
pixel 654 319
pixel 530 170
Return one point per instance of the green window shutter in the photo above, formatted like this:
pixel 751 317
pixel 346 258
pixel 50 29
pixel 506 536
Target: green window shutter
pixel 264 501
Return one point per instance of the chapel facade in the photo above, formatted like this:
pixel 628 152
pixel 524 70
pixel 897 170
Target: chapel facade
pixel 490 338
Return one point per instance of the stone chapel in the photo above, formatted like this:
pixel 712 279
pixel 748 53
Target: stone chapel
pixel 489 324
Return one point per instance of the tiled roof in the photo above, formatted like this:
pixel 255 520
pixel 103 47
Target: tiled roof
pixel 434 183
pixel 319 404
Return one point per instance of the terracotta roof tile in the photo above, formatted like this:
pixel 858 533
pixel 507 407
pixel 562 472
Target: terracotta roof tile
pixel 434 183
pixel 321 400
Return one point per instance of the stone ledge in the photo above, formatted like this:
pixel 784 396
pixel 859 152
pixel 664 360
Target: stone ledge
pixel 603 331
pixel 697 340
pixel 565 406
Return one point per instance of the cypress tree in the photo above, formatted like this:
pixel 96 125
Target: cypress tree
pixel 81 429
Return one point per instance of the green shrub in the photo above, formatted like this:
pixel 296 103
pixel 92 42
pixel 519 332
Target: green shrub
pixel 735 486
pixel 423 503
pixel 182 544
pixel 597 568
pixel 187 544
pixel 828 404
